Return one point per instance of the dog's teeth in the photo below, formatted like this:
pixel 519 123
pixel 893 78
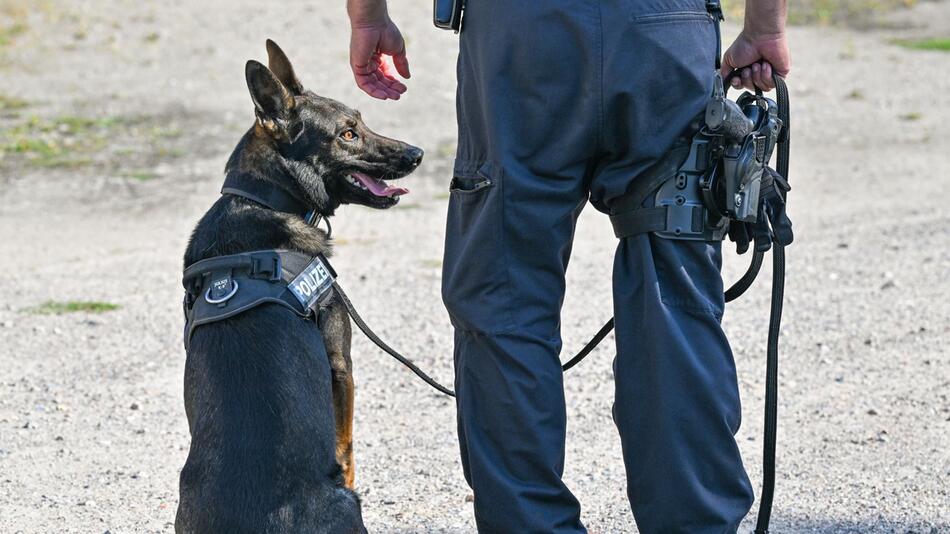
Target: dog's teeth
pixel 354 181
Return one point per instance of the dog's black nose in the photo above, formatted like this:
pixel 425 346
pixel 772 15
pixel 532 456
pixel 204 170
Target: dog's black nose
pixel 414 156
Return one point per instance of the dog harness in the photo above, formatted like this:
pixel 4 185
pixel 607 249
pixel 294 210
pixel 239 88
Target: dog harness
pixel 224 286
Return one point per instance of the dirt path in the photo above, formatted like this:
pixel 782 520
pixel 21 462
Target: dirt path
pixel 137 108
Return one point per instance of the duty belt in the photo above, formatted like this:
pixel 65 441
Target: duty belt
pixel 225 286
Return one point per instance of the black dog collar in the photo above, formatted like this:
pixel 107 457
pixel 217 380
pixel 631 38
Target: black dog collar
pixel 270 196
pixel 267 194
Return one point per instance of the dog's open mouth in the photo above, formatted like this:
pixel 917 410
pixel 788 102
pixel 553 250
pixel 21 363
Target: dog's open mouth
pixel 375 186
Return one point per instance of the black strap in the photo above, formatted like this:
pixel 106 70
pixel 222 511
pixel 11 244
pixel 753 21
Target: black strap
pixel 639 221
pixel 368 332
pixel 382 344
pixel 714 8
pixel 263 192
pixel 775 324
pixel 628 217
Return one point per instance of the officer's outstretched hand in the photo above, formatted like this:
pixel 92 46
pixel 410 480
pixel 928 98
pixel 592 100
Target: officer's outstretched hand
pixel 760 49
pixel 374 35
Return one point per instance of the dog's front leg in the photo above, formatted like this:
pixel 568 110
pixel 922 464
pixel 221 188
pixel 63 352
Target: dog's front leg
pixel 335 325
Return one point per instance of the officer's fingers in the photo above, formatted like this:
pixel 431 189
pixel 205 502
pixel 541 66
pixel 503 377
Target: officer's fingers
pixel 762 76
pixel 757 75
pixel 729 68
pixel 402 64
pixel 747 78
pixel 766 73
pixel 393 87
pixel 371 86
pixel 393 84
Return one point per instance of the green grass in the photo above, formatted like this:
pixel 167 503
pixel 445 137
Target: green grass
pixel 52 307
pixel 142 176
pixel 161 132
pixel 12 103
pixel 912 116
pixel 9 33
pixel 940 44
pixel 65 141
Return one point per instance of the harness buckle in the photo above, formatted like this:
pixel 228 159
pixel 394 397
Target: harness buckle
pixel 267 267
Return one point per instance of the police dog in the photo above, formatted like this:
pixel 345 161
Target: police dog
pixel 271 424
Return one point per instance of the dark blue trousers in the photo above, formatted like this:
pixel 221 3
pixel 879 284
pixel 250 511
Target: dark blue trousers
pixel 561 102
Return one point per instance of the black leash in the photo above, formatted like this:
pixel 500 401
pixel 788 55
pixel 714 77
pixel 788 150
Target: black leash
pixel 368 332
pixel 386 348
pixel 775 323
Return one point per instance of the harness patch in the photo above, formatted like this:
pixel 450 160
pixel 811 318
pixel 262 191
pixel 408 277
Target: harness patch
pixel 313 283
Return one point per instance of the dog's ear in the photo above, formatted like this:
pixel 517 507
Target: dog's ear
pixel 281 67
pixel 272 101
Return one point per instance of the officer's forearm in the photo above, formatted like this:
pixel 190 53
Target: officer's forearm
pixel 367 12
pixel 765 18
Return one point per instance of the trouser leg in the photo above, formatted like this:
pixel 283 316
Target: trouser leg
pixel 525 134
pixel 677 402
pixel 677 399
pixel 503 286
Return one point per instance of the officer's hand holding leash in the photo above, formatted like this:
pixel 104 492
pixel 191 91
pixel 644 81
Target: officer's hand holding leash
pixel 373 36
pixel 761 49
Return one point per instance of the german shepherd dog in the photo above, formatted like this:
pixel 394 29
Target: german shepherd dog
pixel 271 422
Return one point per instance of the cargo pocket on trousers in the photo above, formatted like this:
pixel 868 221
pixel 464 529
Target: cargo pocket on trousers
pixel 475 285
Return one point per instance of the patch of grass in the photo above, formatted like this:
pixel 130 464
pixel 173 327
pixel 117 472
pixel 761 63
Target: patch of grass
pixel 911 116
pixel 431 264
pixel 169 153
pixel 855 94
pixel 9 33
pixel 441 196
pixel 940 44
pixel 151 37
pixel 12 103
pixel 142 176
pixel 849 52
pixel 162 132
pixel 52 307
pixel 65 141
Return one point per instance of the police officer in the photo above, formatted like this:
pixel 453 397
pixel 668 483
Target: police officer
pixel 561 102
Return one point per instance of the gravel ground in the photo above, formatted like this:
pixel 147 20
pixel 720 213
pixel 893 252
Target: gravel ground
pixel 92 430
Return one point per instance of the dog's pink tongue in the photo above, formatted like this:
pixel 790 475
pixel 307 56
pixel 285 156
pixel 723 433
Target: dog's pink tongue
pixel 379 187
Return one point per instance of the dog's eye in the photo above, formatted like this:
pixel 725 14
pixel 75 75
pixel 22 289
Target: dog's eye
pixel 349 135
